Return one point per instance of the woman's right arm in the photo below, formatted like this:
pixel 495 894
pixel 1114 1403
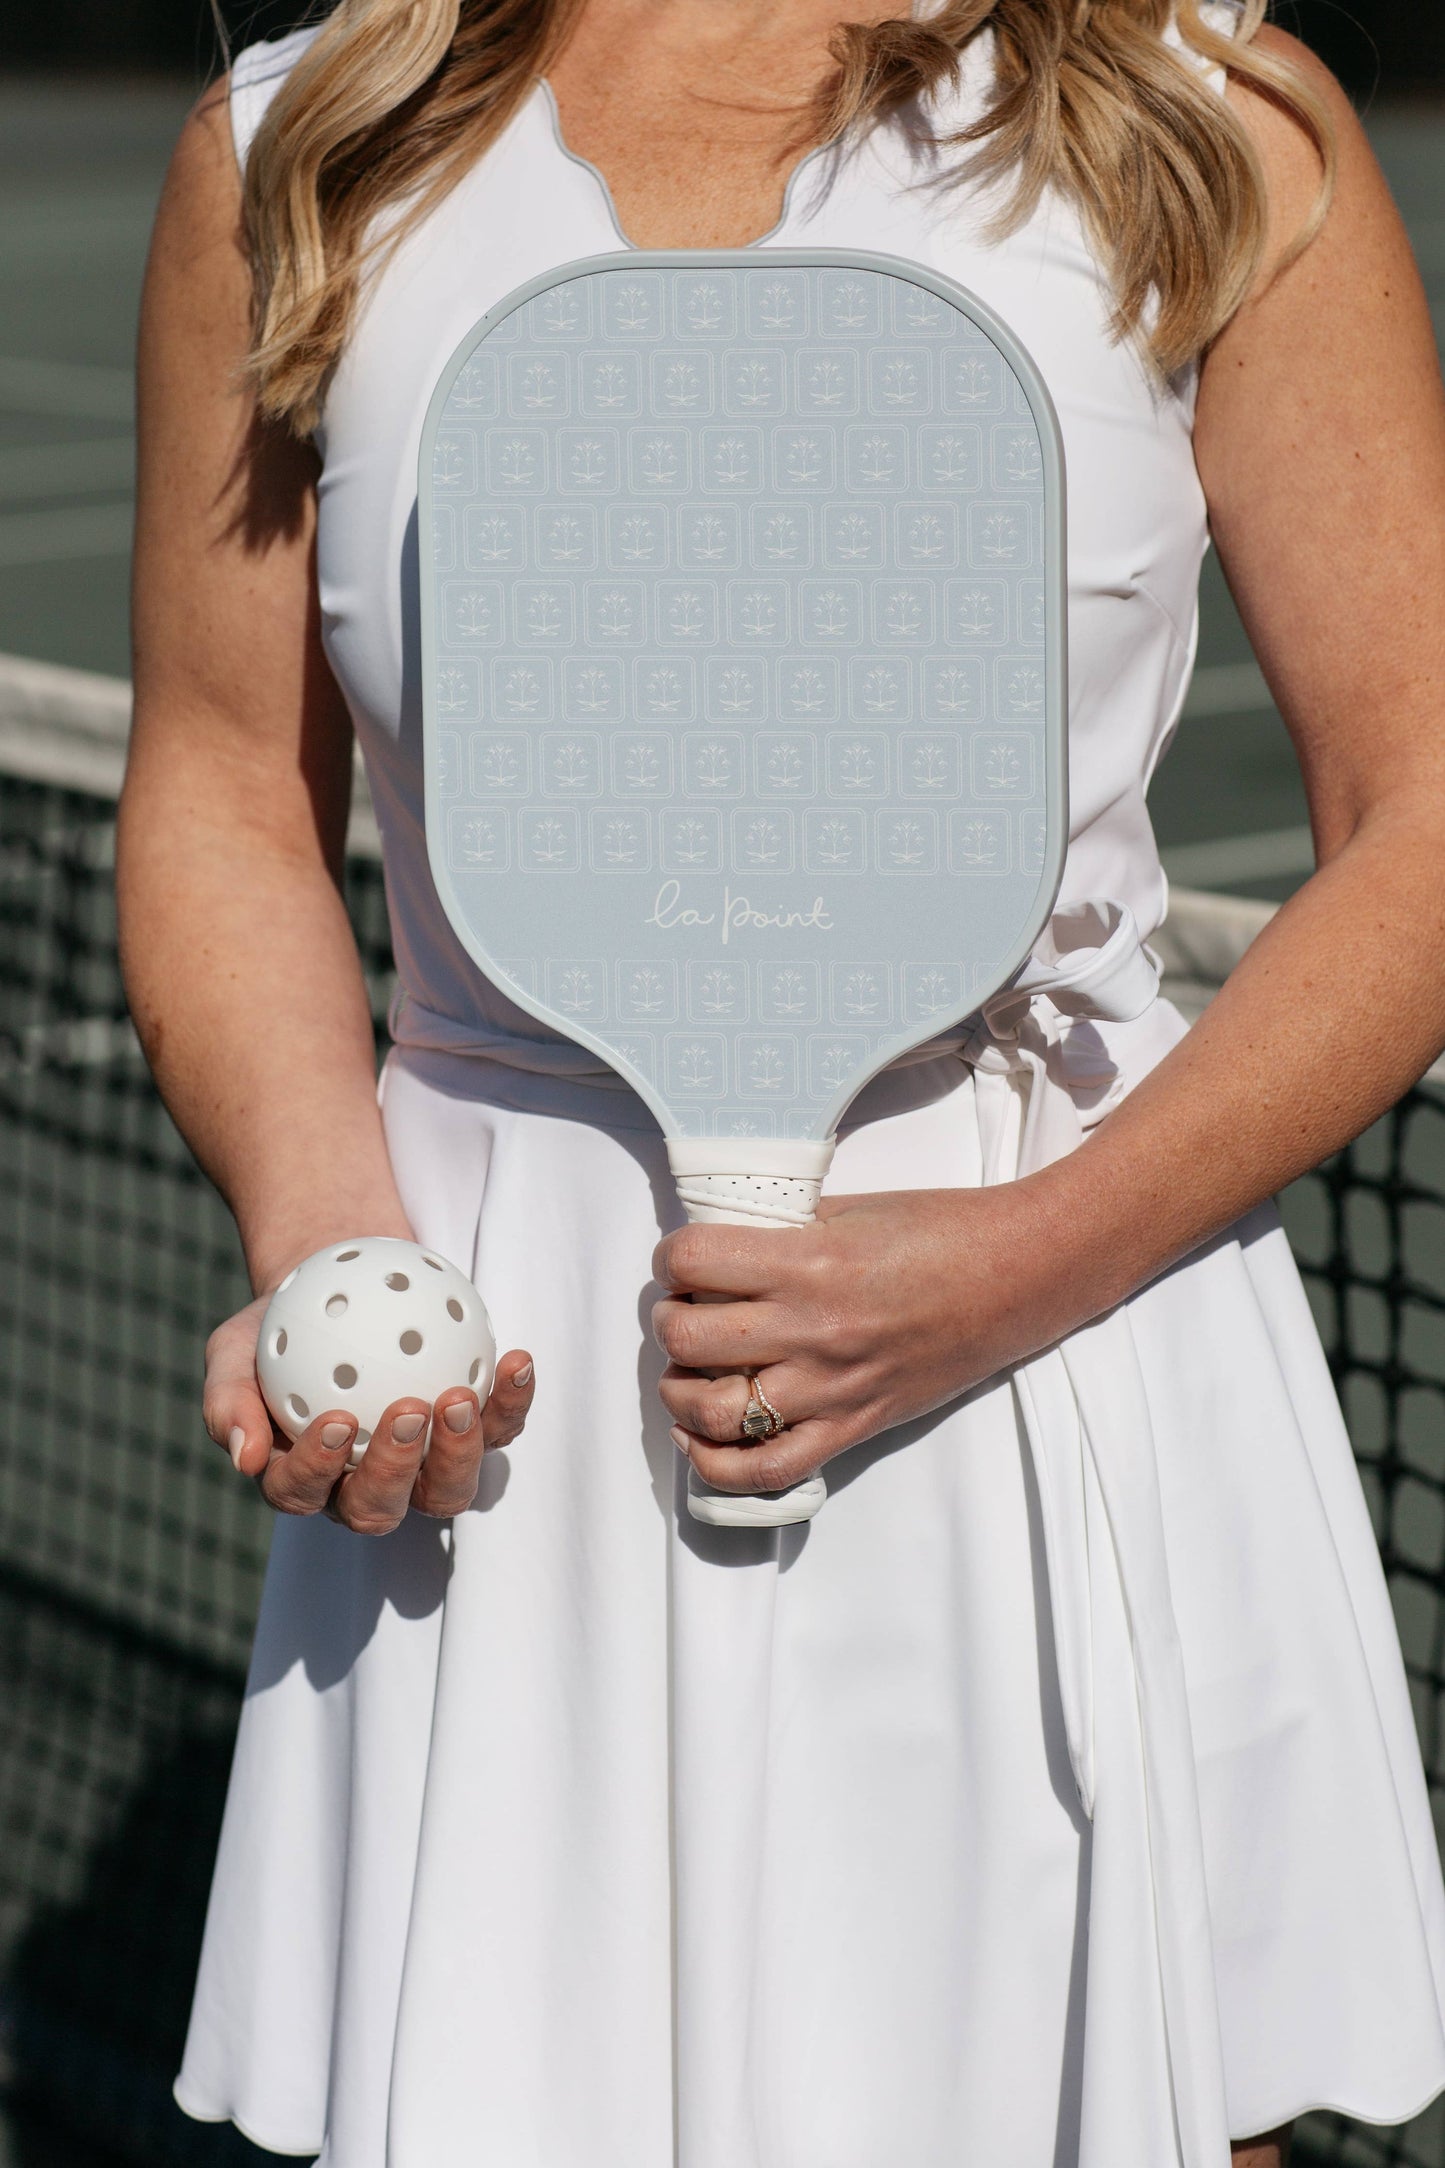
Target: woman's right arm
pixel 239 961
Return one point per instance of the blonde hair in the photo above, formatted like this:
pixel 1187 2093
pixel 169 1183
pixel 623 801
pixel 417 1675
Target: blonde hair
pixel 394 100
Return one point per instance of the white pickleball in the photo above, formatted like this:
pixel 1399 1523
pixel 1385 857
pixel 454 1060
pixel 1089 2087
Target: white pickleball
pixel 366 1322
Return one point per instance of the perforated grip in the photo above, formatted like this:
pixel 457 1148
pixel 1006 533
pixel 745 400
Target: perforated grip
pixel 750 1200
pixel 717 1189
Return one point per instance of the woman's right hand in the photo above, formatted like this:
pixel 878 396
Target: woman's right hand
pixel 311 1475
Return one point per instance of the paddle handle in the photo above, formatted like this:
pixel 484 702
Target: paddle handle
pixel 750 1182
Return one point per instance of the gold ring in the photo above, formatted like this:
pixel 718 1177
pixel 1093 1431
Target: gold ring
pixel 761 1419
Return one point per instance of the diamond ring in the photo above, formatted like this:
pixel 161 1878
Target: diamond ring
pixel 761 1419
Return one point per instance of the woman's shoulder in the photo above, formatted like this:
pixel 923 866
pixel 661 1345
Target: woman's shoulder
pixel 257 73
pixel 1305 182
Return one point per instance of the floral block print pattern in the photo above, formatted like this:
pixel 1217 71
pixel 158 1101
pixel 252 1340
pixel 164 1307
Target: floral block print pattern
pixel 743 700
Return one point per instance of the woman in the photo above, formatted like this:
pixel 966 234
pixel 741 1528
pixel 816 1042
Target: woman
pixel 1081 1823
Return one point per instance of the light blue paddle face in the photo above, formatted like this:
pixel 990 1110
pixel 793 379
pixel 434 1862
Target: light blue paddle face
pixel 743 643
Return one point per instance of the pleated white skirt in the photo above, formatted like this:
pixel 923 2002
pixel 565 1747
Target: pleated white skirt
pixel 575 1835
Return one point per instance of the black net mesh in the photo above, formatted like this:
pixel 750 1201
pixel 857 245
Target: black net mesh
pixel 1369 1232
pixel 130 1558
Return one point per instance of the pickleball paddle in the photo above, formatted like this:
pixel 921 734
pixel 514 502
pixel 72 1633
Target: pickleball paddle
pixel 743 633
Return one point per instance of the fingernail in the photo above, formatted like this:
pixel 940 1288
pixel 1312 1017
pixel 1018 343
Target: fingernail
pixel 680 1439
pixel 334 1435
pixel 235 1444
pixel 460 1415
pixel 407 1427
pixel 524 1375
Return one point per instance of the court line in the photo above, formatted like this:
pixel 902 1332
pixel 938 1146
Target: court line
pixel 48 538
pixel 1270 854
pixel 64 470
pixel 85 389
pixel 1427 239
pixel 78 234
pixel 1227 688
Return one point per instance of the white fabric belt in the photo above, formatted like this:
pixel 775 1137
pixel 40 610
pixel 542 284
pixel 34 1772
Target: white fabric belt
pixel 1041 1082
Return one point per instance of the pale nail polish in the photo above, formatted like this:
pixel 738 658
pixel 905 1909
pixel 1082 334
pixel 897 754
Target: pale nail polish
pixel 460 1415
pixel 407 1427
pixel 524 1375
pixel 235 1443
pixel 334 1435
pixel 680 1439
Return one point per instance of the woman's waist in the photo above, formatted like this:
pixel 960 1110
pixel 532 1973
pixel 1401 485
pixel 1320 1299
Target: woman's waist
pixel 544 1072
pixel 1090 1057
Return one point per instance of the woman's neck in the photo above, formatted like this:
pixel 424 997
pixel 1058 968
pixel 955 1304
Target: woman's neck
pixel 694 111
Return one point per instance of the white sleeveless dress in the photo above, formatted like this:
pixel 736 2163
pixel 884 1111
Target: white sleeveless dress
pixel 1054 1797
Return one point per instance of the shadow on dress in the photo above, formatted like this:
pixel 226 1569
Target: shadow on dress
pixel 326 1589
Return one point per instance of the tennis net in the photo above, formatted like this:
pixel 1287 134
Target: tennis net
pixel 130 1558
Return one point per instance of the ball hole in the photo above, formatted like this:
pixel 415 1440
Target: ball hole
pixel 344 1257
pixel 344 1376
pixel 475 1372
pixel 278 1342
pixel 298 1407
pixel 454 1309
pixel 410 1343
pixel 336 1306
pixel 363 1437
pixel 435 1263
pixel 399 1281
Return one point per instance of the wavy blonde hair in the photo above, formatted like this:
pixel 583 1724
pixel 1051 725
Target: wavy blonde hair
pixel 394 100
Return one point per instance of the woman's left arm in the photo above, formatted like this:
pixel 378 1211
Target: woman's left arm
pixel 1320 439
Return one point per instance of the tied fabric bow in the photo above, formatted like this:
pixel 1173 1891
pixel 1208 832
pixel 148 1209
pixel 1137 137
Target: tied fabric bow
pixel 1089 967
pixel 1153 2089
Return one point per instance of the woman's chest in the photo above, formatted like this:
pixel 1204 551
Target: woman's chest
pixel 1136 522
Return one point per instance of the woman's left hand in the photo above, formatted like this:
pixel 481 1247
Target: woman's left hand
pixel 886 1306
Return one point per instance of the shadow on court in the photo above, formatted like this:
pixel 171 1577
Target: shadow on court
pixel 113 1764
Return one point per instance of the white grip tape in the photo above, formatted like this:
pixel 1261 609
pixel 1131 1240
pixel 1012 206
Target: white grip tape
pixel 750 1182
pixel 749 1200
